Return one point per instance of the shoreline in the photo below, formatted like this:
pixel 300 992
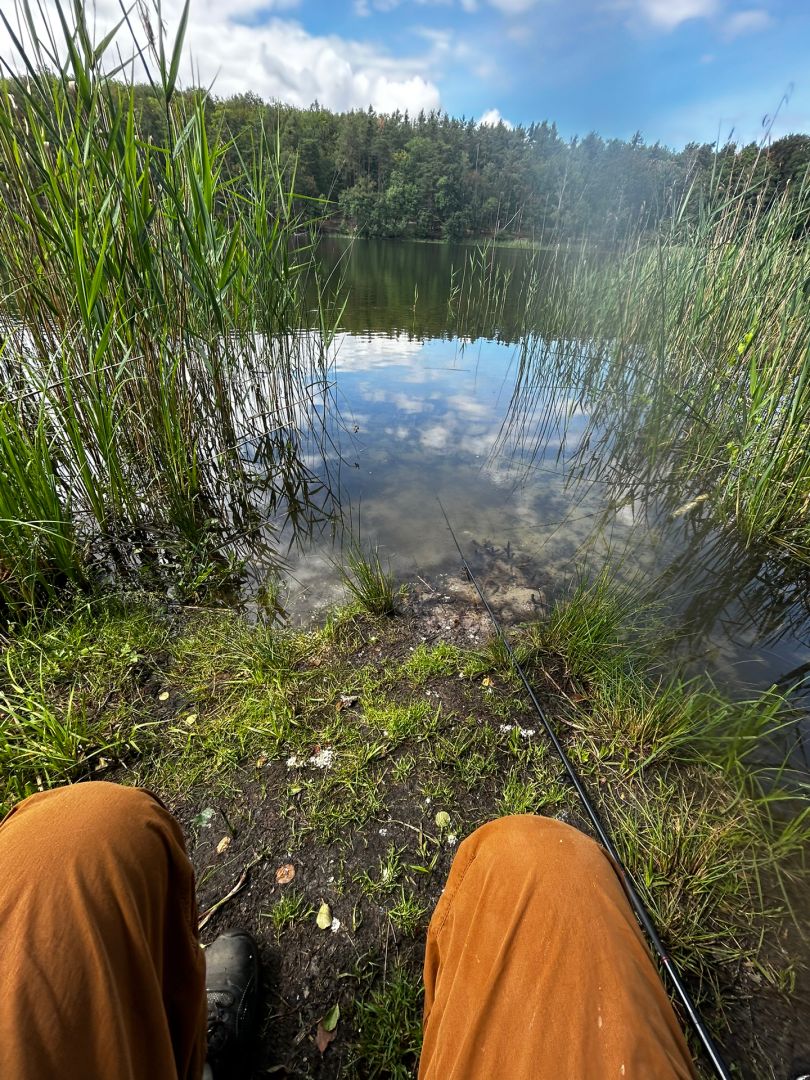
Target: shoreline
pixel 333 748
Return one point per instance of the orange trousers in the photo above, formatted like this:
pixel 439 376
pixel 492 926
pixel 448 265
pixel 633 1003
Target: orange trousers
pixel 534 969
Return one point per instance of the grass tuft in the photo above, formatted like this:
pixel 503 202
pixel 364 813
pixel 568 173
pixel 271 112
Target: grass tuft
pixel 408 915
pixel 368 581
pixel 290 910
pixel 389 1025
pixel 439 661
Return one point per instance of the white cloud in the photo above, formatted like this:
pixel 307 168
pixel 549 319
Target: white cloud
pixel 492 118
pixel 435 437
pixel 667 14
pixel 352 353
pixel 364 7
pixel 279 59
pixel 484 70
pixel 746 22
pixel 470 406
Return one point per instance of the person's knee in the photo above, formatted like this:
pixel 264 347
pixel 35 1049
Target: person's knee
pixel 82 817
pixel 519 832
pixel 527 844
pixel 97 801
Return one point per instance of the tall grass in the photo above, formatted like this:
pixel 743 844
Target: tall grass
pixel 156 380
pixel 689 355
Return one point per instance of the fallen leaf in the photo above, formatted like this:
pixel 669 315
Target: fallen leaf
pixel 261 761
pixel 164 696
pixel 330 1021
pixel 442 819
pixel 223 845
pixel 285 874
pixel 486 681
pixel 324 917
pixel 323 1037
pixel 191 719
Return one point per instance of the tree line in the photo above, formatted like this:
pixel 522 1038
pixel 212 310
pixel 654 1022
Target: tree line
pixel 436 176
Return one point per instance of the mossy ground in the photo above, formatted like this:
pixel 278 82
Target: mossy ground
pixel 334 749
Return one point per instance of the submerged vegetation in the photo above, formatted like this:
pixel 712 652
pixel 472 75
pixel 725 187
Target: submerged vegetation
pixel 333 749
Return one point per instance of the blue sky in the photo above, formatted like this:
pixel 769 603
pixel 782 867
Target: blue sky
pixel 676 70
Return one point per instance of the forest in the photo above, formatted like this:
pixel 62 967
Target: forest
pixel 433 176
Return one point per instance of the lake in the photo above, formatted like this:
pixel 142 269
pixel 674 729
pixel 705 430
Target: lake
pixel 424 405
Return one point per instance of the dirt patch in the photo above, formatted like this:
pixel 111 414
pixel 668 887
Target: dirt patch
pixel 379 923
pixel 378 858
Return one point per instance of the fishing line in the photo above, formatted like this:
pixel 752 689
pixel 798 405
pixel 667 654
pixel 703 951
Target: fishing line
pixel 636 902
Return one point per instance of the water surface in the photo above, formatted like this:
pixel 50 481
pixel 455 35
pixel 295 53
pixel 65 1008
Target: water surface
pixel 427 411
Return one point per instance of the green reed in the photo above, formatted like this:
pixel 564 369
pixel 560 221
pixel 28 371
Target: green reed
pixel 157 384
pixel 689 355
pixel 477 303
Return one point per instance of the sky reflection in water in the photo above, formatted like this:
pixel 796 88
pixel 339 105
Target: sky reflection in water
pixel 428 416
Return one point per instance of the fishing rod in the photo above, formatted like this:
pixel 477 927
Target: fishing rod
pixel 636 902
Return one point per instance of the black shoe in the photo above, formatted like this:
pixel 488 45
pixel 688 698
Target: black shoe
pixel 232 988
